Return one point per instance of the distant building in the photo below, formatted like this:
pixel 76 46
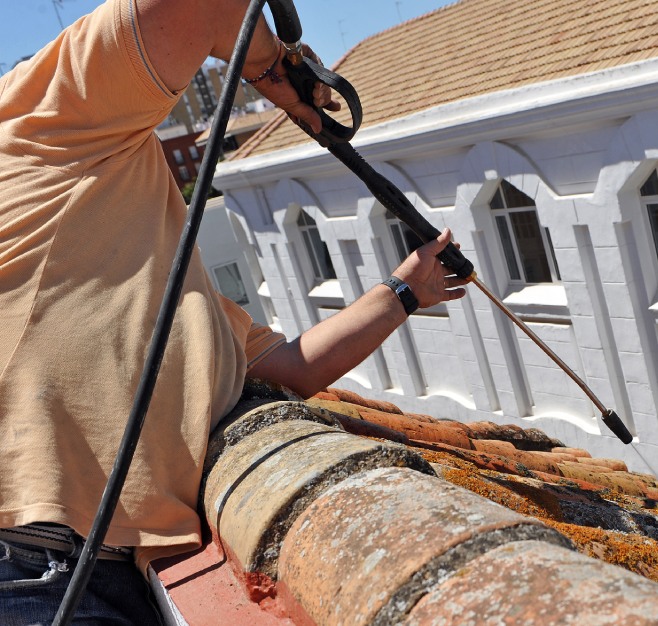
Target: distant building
pixel 240 128
pixel 185 133
pixel 182 153
pixel 197 105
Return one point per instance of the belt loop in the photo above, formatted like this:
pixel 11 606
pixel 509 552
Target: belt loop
pixel 78 543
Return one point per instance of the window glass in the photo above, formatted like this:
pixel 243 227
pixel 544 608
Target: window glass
pixel 531 249
pixel 405 239
pixel 526 245
pixel 194 153
pixel 308 242
pixel 184 173
pixel 653 220
pixel 650 188
pixel 178 157
pixel 229 283
pixel 515 198
pixel 317 250
pixel 649 193
pixel 508 248
pixel 497 201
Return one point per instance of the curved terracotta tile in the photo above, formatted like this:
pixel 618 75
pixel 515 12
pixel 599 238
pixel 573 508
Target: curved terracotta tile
pixel 537 583
pixel 355 398
pixel 414 429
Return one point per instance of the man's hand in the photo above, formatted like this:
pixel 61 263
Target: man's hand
pixel 276 87
pixel 430 280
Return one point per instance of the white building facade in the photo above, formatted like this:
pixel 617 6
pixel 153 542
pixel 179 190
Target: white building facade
pixel 551 191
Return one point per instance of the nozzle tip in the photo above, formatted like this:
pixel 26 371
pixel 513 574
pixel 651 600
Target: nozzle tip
pixel 614 423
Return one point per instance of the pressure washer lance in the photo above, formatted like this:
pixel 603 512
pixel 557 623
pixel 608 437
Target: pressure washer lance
pixel 303 73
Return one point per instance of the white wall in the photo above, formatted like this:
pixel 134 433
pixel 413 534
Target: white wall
pixel 221 243
pixel 582 161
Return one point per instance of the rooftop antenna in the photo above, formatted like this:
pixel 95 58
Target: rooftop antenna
pixel 397 8
pixel 57 5
pixel 342 34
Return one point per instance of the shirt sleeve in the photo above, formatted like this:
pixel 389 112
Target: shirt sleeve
pixel 258 340
pixel 261 340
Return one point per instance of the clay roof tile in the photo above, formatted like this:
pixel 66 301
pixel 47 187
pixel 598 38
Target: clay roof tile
pixel 474 47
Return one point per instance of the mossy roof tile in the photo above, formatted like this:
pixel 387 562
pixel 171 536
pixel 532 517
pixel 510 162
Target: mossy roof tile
pixel 531 473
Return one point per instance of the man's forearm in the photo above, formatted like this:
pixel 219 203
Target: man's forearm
pixel 336 345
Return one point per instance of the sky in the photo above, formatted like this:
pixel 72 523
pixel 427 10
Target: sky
pixel 330 27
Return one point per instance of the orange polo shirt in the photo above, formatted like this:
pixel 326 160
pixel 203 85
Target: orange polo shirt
pixel 90 218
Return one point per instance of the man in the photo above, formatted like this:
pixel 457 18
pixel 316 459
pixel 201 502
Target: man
pixel 89 222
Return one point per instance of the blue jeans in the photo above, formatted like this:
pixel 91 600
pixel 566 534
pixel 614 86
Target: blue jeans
pixel 33 582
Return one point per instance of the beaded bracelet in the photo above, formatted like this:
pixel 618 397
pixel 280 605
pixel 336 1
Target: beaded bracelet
pixel 270 71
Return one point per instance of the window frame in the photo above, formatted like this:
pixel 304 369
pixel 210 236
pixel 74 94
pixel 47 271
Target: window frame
pixel 649 202
pixel 310 235
pixel 242 302
pixel 509 243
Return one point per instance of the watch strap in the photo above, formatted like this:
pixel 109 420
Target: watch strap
pixel 403 292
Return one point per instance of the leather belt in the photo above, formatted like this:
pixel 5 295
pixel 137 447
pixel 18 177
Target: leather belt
pixel 61 538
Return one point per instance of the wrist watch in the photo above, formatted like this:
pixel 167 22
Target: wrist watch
pixel 403 292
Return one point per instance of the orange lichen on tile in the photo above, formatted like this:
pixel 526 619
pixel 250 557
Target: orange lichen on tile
pixel 536 503
pixel 524 470
pixel 633 552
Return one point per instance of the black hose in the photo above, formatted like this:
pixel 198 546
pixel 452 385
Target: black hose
pixel 163 324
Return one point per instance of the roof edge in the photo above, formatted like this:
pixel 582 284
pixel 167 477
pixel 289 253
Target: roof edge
pixel 612 87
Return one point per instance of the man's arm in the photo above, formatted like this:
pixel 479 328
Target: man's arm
pixel 180 34
pixel 330 349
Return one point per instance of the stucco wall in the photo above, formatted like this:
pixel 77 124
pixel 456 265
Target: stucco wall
pixel 583 169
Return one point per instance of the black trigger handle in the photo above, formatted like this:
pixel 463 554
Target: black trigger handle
pixel 302 77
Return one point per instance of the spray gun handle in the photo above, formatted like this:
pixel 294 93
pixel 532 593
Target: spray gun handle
pixel 303 73
pixel 452 257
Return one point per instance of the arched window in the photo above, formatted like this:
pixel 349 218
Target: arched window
pixel 318 252
pixel 649 193
pixel 406 240
pixel 526 243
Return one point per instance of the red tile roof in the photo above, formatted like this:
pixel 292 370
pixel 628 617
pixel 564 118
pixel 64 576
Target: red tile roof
pixel 319 523
pixel 475 47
